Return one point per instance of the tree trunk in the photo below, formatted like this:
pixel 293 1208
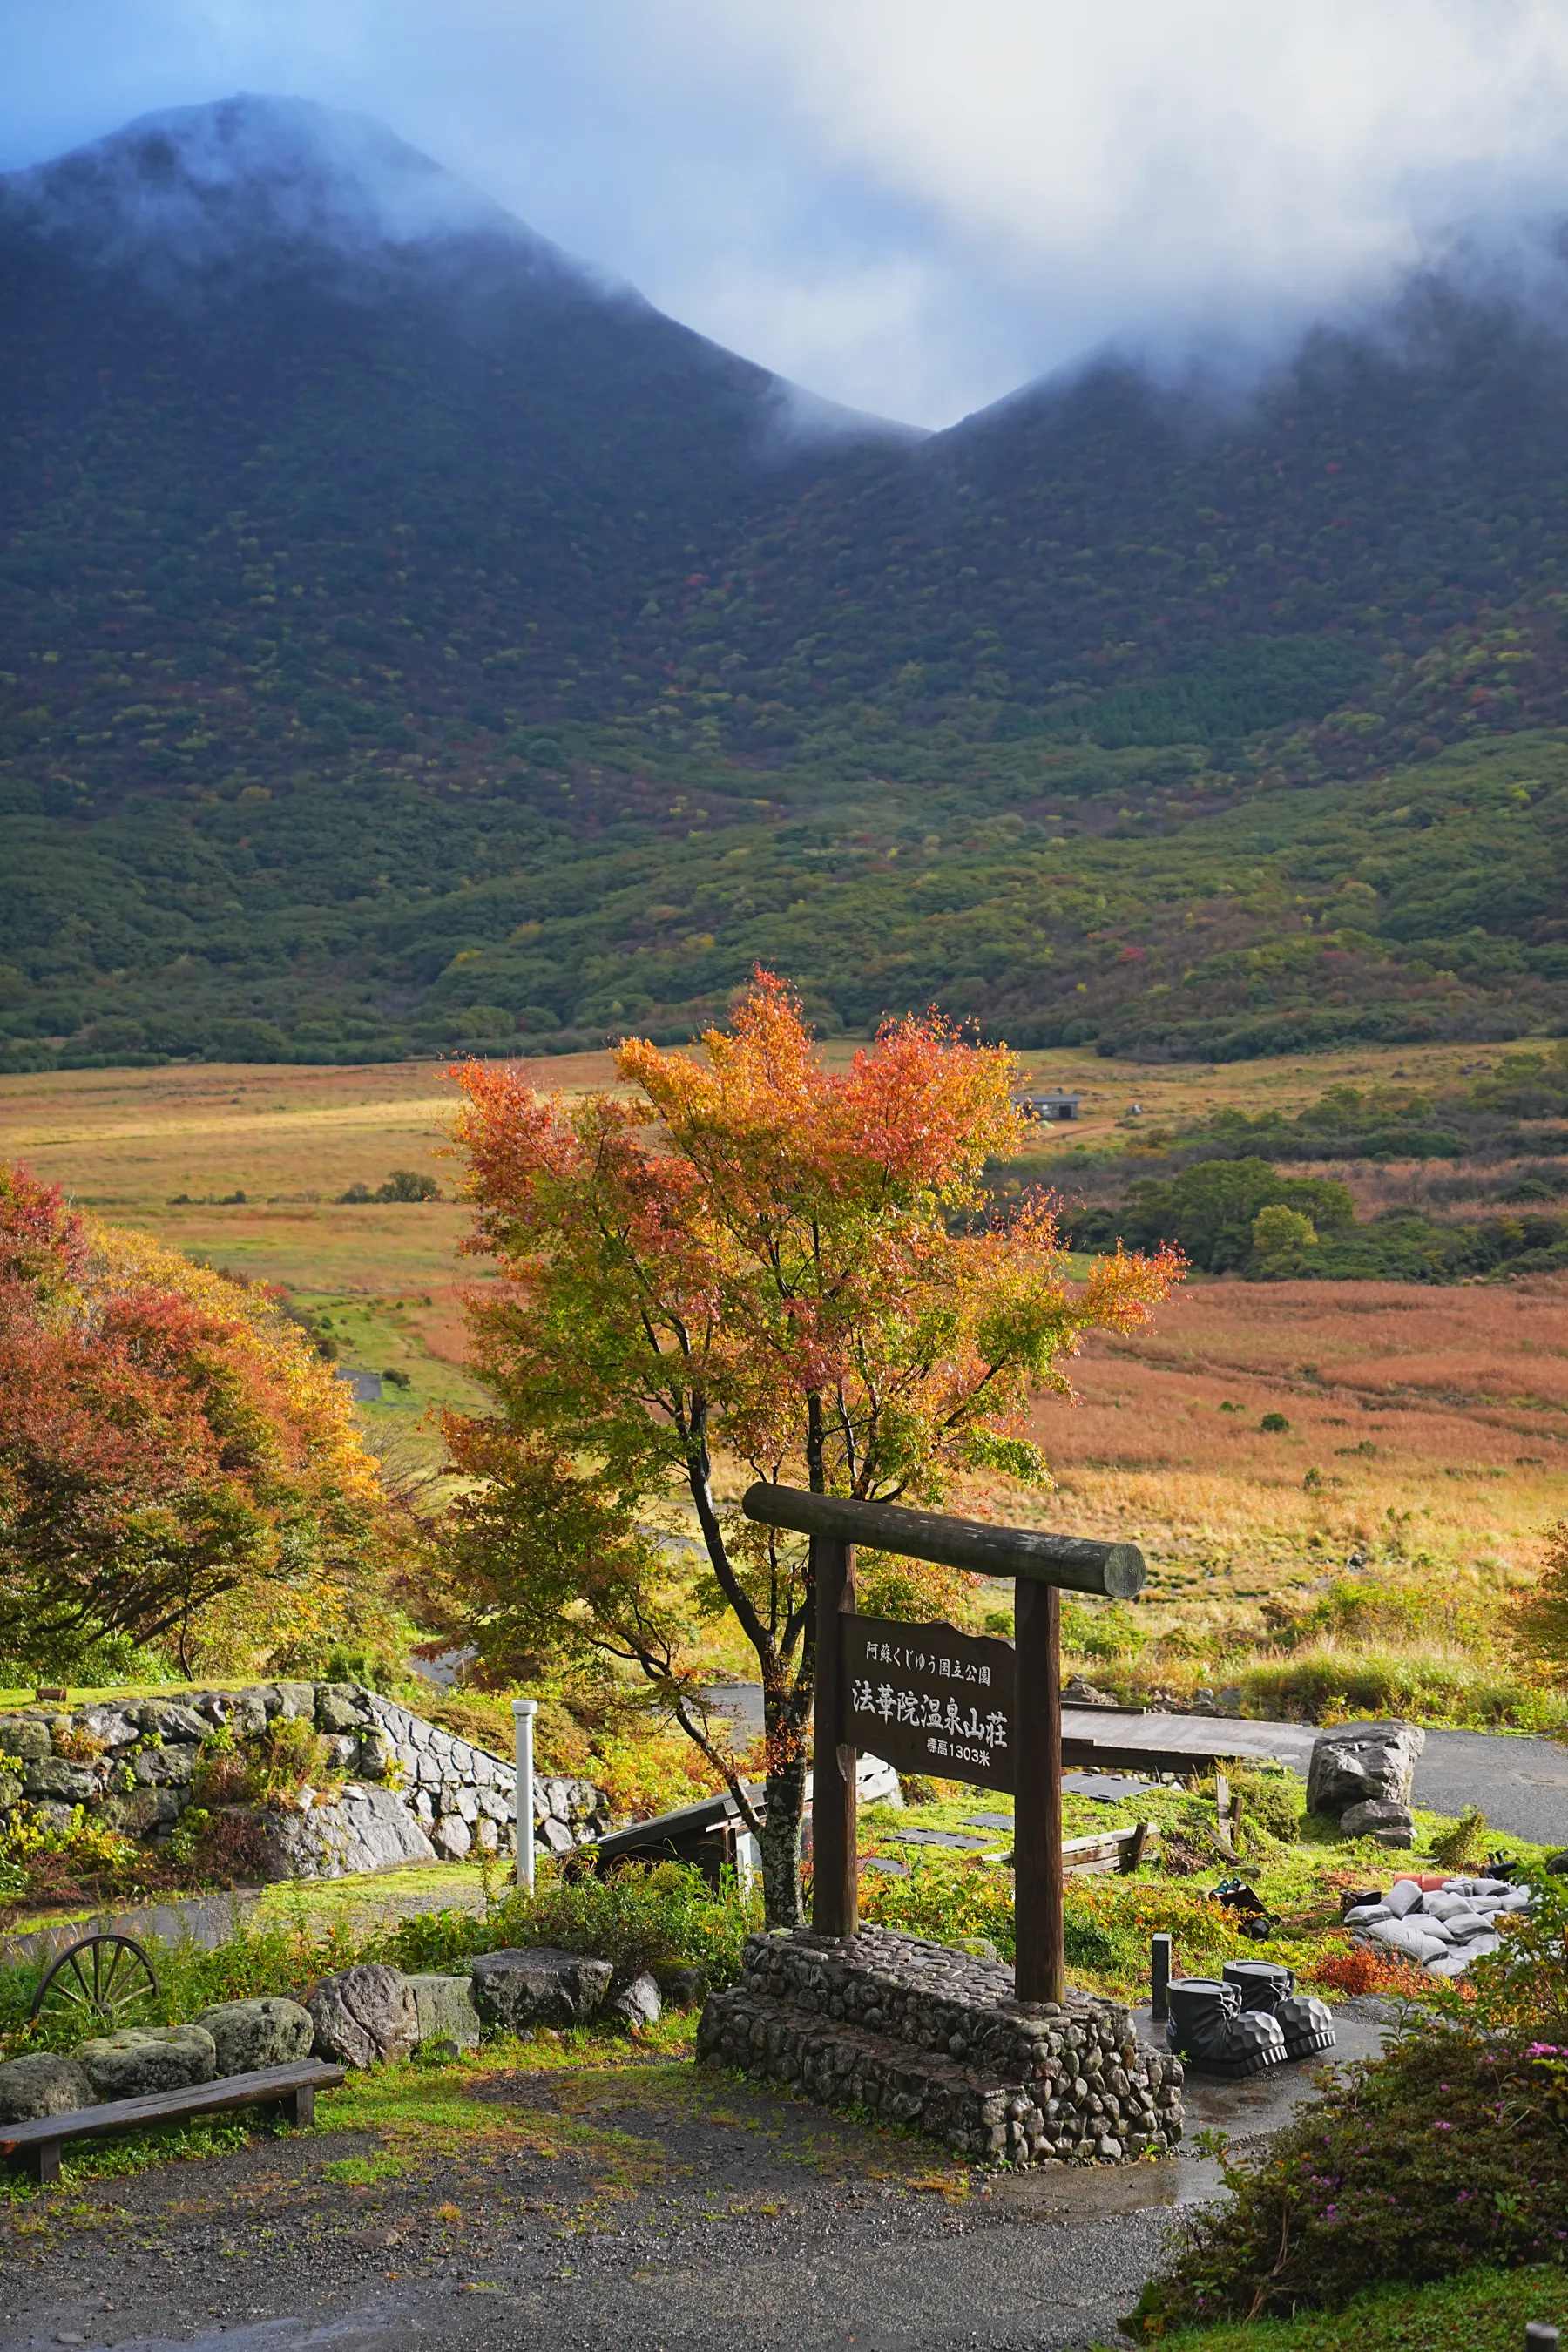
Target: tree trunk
pixel 780 1841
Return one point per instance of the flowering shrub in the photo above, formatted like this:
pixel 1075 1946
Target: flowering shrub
pixel 1450 2150
pixel 1436 2156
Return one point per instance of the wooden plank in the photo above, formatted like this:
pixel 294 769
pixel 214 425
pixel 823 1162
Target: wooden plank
pixel 836 1885
pixel 1104 1842
pixel 1040 1968
pixel 1114 1569
pixel 42 2138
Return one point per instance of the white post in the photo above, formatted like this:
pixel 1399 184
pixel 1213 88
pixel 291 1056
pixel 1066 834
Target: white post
pixel 523 1711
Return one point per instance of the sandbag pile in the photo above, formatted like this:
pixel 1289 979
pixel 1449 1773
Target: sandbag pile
pixel 1445 1927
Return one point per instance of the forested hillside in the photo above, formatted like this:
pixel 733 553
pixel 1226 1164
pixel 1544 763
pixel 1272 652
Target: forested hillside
pixel 411 640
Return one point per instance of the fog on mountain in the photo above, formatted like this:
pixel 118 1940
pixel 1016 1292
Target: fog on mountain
pixel 419 639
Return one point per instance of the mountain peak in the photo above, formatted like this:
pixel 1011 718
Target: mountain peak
pixel 197 188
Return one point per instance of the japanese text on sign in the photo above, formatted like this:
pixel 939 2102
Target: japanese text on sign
pixel 928 1698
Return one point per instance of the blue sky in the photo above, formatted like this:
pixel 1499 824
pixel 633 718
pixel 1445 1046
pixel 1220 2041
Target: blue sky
pixel 911 206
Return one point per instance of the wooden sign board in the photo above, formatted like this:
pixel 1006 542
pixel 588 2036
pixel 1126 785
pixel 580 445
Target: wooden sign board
pixel 927 1698
pixel 937 1701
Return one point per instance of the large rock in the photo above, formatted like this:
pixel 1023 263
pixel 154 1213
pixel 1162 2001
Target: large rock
pixel 365 2014
pixel 55 1776
pixel 517 1990
pixel 250 2034
pixel 1080 1693
pixel 637 2004
pixel 42 2085
pixel 1391 1825
pixel 141 2059
pixel 1356 1763
pixel 167 1766
pixel 366 1829
pixel 26 1737
pixel 446 2010
pixel 341 1707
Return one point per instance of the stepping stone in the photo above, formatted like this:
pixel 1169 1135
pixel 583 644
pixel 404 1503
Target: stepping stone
pixel 1106 1787
pixel 953 1838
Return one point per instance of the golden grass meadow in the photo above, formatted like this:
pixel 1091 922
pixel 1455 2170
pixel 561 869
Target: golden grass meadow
pixel 1428 1429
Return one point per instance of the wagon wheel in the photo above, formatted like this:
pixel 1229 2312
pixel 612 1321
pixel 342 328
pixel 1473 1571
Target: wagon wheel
pixel 101 1982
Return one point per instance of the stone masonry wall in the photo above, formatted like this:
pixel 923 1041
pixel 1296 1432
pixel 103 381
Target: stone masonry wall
pixel 933 2038
pixel 414 1791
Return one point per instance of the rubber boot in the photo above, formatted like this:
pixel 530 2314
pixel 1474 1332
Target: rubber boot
pixel 1211 2032
pixel 1265 1988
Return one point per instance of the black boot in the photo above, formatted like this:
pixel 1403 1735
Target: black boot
pixel 1267 1988
pixel 1210 2032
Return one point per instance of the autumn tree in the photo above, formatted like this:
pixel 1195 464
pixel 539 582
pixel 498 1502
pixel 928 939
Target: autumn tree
pixel 747 1267
pixel 176 1467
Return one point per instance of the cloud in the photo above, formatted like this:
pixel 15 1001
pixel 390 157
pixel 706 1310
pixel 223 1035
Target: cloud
pixel 908 204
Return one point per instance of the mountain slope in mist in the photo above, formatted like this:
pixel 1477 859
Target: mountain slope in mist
pixel 285 401
pixel 1115 561
pixel 413 640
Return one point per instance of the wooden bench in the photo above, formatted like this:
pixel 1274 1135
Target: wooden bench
pixel 294 2088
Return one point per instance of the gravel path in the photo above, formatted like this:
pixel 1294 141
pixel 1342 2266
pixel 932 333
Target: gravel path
pixel 661 2216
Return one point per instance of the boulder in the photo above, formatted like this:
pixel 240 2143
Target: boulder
pixel 166 1766
pixel 250 2034
pixel 637 2004
pixel 365 2014
pixel 366 1829
pixel 1080 1693
pixel 341 1707
pixel 52 1775
pixel 1355 1762
pixel 446 2011
pixel 165 1719
pixel 141 2059
pixel 453 1837
pixel 1373 1817
pixel 42 2085
pixel 515 1990
pixel 25 1736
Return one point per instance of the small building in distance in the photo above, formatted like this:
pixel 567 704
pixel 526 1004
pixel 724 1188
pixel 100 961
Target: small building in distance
pixel 1045 1103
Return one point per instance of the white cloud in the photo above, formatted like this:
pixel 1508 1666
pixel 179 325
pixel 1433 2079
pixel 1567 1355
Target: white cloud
pixel 909 204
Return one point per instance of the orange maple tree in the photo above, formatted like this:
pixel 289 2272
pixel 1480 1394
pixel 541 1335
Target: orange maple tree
pixel 750 1267
pixel 176 1467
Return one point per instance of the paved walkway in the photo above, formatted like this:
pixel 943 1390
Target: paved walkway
pixel 1520 1783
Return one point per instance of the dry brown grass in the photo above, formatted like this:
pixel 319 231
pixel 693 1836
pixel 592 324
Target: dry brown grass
pixel 1436 1381
pixel 1285 1083
pixel 1436 1421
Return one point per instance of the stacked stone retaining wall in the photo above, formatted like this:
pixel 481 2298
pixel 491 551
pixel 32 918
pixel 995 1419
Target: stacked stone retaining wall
pixel 933 2038
pixel 414 1791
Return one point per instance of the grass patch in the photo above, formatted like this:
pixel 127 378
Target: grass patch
pixel 1485 2310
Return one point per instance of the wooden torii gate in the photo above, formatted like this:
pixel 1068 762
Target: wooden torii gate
pixel 1019 1747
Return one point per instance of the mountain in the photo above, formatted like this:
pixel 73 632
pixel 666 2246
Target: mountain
pixel 292 405
pixel 414 638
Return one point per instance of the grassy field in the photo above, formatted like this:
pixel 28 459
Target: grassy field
pixel 1427 1426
